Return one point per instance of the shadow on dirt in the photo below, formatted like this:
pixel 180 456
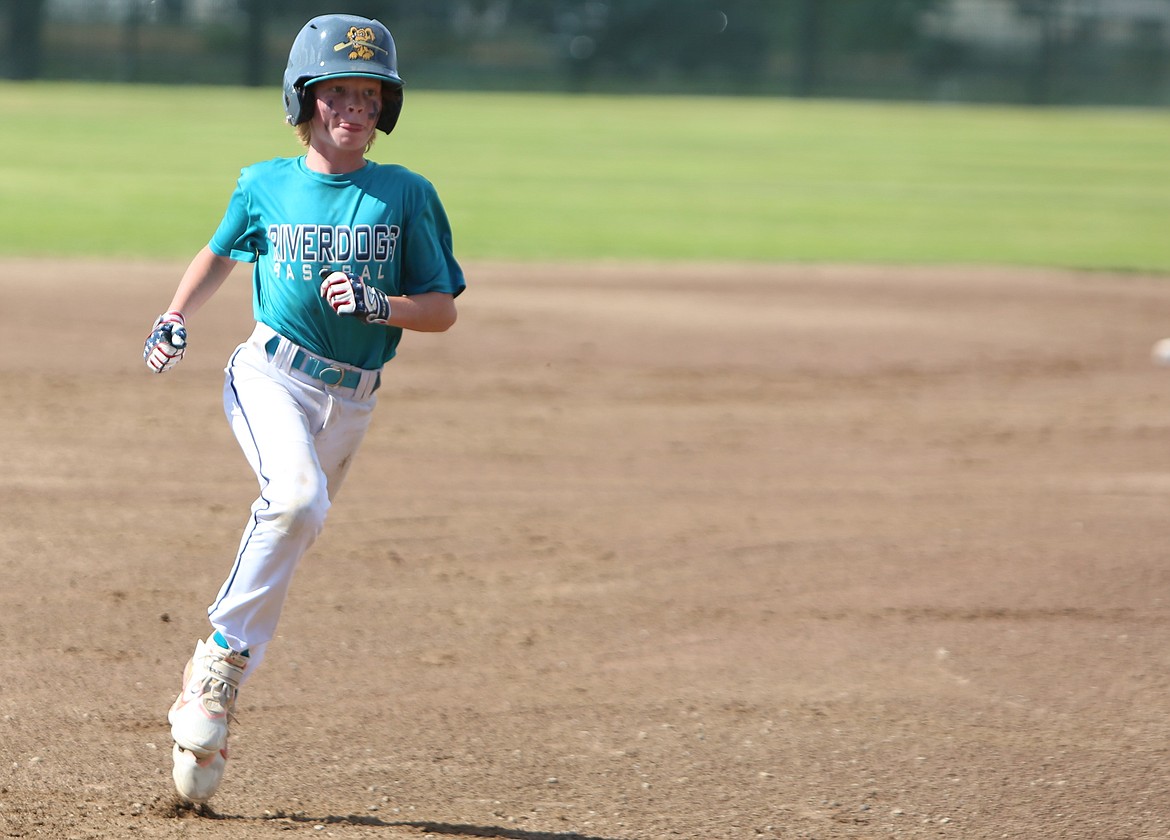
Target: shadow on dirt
pixel 178 808
pixel 494 831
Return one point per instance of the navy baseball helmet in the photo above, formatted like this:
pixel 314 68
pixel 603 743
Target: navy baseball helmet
pixel 333 46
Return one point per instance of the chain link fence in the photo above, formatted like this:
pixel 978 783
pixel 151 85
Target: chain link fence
pixel 1015 51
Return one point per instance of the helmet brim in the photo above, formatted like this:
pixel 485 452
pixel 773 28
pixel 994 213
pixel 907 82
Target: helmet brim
pixel 349 74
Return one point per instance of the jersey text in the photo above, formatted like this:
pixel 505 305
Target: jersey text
pixel 333 243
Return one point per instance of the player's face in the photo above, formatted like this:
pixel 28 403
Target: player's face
pixel 347 111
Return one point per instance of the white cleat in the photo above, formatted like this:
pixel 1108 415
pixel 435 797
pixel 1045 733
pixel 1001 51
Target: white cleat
pixel 200 714
pixel 196 779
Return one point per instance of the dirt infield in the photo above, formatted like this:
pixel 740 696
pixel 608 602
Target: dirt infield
pixel 632 552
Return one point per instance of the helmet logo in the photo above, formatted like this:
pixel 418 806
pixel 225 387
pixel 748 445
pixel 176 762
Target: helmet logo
pixel 360 43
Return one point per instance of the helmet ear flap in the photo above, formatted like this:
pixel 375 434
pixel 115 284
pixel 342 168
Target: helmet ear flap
pixel 391 108
pixel 294 105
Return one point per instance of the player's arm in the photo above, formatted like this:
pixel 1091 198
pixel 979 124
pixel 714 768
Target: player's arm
pixel 201 281
pixel 167 342
pixel 426 312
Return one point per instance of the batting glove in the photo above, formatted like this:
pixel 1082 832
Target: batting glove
pixel 166 343
pixel 348 295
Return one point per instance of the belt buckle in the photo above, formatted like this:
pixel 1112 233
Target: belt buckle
pixel 331 375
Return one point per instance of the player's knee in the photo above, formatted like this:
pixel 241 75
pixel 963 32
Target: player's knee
pixel 301 506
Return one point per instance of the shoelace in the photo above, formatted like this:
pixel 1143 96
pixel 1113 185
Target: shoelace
pixel 217 692
pixel 221 685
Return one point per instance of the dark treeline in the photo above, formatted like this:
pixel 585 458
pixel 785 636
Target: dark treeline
pixel 1036 51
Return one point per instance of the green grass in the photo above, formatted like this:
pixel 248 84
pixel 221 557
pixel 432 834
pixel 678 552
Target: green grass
pixel 141 171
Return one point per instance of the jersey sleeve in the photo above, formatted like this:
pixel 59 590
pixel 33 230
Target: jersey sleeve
pixel 429 263
pixel 240 234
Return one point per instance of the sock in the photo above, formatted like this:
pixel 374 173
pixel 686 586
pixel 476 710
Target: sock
pixel 222 642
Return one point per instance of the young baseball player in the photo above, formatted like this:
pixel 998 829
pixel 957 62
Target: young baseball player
pixel 347 254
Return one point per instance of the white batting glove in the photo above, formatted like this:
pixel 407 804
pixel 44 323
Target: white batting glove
pixel 166 343
pixel 348 295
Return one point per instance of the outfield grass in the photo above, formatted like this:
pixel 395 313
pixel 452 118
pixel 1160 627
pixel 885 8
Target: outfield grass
pixel 146 171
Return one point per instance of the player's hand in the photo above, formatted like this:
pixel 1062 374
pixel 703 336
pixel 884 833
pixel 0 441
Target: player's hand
pixel 348 295
pixel 166 343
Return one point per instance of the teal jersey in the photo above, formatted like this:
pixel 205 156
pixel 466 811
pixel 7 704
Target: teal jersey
pixel 382 223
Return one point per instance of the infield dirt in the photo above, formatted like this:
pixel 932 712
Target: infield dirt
pixel 703 552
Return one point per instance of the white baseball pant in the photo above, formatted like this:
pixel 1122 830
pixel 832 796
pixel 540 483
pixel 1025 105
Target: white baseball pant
pixel 299 436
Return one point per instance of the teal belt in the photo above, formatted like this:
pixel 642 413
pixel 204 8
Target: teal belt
pixel 320 369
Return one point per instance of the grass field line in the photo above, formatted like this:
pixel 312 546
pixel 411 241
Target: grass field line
pixel 145 171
